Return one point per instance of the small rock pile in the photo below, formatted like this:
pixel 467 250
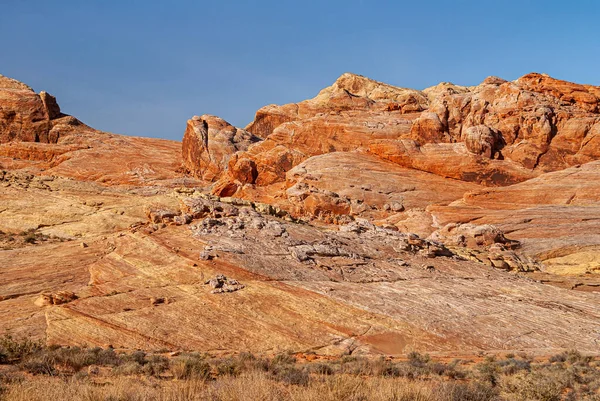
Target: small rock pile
pixel 222 284
pixel 57 298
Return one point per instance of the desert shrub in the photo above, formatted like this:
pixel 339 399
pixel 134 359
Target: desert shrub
pixel 185 367
pixel 155 365
pixel 105 357
pixel 29 238
pixel 418 360
pixel 511 366
pixel 248 386
pixel 129 368
pixel 138 357
pixel 488 371
pixel 282 359
pixel 41 363
pixel 321 368
pixel 290 374
pixel 389 369
pixel 228 367
pixel 535 386
pixel 457 391
pixel 571 357
pixel 246 356
pixel 260 364
pixel 49 360
pixel 453 371
pixel 15 350
pixel 356 366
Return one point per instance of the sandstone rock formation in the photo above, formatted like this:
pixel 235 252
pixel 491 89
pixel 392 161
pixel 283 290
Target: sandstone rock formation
pixel 496 133
pixel 28 117
pixel 465 222
pixel 552 216
pixel 340 185
pixel 208 144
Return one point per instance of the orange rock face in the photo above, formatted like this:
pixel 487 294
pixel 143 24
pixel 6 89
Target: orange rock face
pixel 496 133
pixel 26 116
pixel 36 136
pixel 208 144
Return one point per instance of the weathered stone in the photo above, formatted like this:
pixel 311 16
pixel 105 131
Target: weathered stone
pixel 208 144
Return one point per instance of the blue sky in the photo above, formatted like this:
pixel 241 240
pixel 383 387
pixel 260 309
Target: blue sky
pixel 144 67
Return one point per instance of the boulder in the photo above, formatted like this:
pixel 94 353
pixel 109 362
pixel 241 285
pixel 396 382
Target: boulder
pixel 481 140
pixel 471 236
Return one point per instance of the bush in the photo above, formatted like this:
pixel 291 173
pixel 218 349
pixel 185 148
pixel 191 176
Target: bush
pixel 52 359
pixel 488 371
pixel 538 386
pixel 15 350
pixel 291 375
pixel 572 357
pixel 129 368
pixel 138 357
pixel 39 364
pixel 321 369
pixel 156 365
pixel 418 360
pixel 186 367
pixel 229 367
pixel 512 366
pixel 466 392
pixel 283 359
pixel 356 366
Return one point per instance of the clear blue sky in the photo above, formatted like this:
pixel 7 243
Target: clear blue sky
pixel 144 67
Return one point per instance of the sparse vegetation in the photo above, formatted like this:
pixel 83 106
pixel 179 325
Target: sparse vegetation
pixel 10 241
pixel 31 371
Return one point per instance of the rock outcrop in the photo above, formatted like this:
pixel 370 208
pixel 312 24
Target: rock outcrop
pixel 26 116
pixel 497 133
pixel 36 136
pixel 208 144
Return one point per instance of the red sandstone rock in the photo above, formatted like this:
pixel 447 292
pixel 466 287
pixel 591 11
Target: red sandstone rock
pixel 26 116
pixel 496 133
pixel 208 144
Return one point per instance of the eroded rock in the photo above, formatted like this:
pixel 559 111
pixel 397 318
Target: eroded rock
pixel 57 298
pixel 222 284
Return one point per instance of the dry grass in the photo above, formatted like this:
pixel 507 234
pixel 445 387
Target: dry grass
pixel 249 386
pixel 34 372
